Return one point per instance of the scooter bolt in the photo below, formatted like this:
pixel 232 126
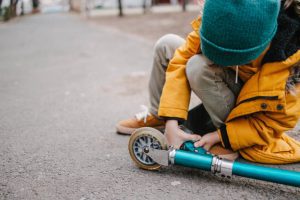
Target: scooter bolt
pixel 146 150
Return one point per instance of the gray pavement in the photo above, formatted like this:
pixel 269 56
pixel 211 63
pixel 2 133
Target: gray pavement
pixel 64 83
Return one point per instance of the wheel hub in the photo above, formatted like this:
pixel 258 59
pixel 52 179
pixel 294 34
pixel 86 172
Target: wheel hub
pixel 141 147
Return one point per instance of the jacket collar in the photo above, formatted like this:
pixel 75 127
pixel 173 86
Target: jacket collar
pixel 286 41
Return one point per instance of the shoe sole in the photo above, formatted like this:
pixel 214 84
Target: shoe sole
pixel 122 130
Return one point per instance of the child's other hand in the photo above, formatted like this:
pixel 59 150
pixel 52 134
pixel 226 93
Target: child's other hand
pixel 208 140
pixel 175 136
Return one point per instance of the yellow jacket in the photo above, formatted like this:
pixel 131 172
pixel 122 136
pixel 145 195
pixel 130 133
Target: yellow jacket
pixel 263 112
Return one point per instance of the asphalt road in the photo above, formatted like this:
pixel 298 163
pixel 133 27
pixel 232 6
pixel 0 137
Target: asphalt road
pixel 64 83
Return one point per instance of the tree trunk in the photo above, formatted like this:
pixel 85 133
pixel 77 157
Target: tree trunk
pixel 35 6
pixel 22 8
pixel 13 8
pixel 147 4
pixel 184 5
pixel 120 8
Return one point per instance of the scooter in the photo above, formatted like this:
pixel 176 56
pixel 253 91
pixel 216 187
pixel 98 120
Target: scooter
pixel 149 150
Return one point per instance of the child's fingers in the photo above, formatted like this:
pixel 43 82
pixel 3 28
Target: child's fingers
pixel 194 137
pixel 200 143
pixel 191 137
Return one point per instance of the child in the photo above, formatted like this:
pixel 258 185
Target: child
pixel 242 60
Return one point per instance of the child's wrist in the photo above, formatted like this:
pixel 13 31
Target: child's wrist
pixel 171 123
pixel 216 137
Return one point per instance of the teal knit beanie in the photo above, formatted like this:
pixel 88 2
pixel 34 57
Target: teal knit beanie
pixel 235 32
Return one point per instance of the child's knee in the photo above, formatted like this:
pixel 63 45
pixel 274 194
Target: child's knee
pixel 197 69
pixel 166 42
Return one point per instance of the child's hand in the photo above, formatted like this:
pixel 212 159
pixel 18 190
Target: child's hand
pixel 208 140
pixel 175 136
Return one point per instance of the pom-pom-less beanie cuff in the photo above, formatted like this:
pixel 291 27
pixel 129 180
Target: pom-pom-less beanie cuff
pixel 229 57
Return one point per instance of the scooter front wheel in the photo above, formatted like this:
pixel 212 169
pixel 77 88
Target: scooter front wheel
pixel 139 144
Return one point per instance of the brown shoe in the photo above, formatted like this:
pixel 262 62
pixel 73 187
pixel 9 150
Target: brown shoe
pixel 143 119
pixel 220 151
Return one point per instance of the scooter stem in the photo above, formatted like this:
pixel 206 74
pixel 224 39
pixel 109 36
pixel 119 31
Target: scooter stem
pixel 226 168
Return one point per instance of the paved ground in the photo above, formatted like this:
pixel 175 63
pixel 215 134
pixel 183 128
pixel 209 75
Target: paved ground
pixel 64 83
pixel 150 26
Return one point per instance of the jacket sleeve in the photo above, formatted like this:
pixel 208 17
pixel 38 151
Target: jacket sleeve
pixel 260 128
pixel 176 93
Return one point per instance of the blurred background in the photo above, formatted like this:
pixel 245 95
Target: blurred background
pixel 140 17
pixel 69 71
pixel 12 8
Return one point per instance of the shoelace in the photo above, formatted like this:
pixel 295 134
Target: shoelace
pixel 144 114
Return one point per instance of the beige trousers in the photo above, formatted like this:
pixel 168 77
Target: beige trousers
pixel 214 85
